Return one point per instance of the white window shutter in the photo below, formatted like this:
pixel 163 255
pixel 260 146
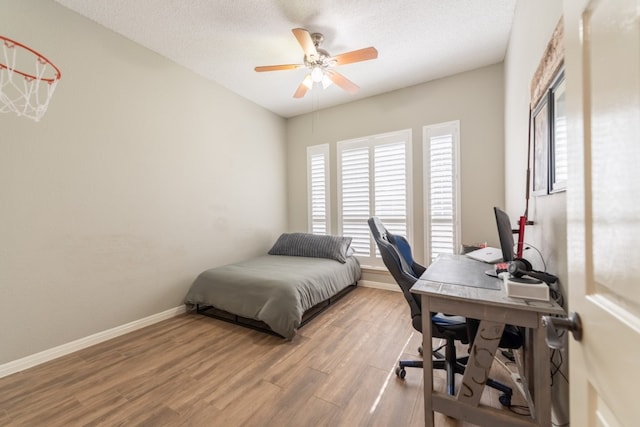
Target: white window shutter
pixel 355 180
pixel 391 186
pixel 318 189
pixel 442 189
pixel 374 178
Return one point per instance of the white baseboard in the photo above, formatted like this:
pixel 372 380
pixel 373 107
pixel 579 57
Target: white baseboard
pixel 82 343
pixel 378 285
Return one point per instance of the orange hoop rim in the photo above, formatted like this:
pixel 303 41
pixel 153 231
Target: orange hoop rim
pixel 41 58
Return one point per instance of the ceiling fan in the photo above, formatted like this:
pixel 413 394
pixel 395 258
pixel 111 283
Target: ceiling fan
pixel 321 64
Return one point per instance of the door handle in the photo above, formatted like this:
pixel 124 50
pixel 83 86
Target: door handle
pixel 572 323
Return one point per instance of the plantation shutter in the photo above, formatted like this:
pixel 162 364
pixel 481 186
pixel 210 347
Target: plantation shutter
pixel 391 186
pixel 374 177
pixel 355 198
pixel 318 191
pixel 442 187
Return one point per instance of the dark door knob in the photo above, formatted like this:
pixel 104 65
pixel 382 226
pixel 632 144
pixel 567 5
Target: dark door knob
pixel 571 323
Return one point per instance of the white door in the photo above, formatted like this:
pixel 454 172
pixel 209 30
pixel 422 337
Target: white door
pixel 602 60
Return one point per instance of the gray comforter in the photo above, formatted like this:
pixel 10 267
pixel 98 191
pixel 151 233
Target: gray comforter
pixel 275 289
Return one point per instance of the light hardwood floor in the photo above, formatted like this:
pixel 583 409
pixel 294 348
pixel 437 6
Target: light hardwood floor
pixel 192 370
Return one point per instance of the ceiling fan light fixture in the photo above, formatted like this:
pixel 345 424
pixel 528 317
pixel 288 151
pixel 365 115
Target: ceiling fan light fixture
pixel 326 81
pixel 317 74
pixel 308 81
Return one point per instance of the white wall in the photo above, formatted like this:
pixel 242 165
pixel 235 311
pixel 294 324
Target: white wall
pixel 532 29
pixel 475 98
pixel 140 175
pixel 533 26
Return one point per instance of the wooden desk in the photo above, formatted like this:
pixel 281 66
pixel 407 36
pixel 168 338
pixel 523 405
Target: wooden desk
pixel 494 309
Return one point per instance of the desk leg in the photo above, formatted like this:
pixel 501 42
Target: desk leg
pixel 427 355
pixel 482 354
pixel 542 377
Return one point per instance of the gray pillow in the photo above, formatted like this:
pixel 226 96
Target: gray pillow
pixel 312 245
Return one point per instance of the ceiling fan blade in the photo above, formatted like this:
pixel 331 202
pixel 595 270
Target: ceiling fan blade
pixel 304 38
pixel 301 91
pixel 342 81
pixel 306 84
pixel 356 56
pixel 278 67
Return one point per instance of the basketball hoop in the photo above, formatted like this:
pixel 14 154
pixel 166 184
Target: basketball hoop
pixel 26 92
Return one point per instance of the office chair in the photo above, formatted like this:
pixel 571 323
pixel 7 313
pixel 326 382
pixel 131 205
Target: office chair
pixel 397 257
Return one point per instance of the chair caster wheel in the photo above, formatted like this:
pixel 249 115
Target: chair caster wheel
pixel 505 400
pixel 401 372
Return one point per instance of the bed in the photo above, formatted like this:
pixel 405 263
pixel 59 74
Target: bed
pixel 279 292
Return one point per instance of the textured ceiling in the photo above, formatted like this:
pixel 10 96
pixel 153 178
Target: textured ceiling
pixel 417 40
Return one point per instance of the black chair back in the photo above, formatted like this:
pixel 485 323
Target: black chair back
pixel 403 273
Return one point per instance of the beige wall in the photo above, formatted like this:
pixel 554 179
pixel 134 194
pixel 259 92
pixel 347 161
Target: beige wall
pixel 140 175
pixel 475 98
pixel 532 28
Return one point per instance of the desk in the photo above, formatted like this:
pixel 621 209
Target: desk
pixel 494 309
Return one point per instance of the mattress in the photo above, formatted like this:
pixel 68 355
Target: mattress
pixel 274 289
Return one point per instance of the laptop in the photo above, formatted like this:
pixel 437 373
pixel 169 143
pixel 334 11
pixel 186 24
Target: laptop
pixel 489 255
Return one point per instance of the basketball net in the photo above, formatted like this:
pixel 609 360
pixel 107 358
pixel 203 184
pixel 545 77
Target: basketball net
pixel 25 93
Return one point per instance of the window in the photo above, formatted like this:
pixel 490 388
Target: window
pixel 318 189
pixel 374 180
pixel 559 161
pixel 442 188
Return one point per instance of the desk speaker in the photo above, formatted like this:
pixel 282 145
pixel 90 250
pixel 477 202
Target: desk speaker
pixel 525 288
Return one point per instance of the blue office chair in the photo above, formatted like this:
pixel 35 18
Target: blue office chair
pixel 397 257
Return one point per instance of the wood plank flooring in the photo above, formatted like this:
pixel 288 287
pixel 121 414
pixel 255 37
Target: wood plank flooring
pixel 192 370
